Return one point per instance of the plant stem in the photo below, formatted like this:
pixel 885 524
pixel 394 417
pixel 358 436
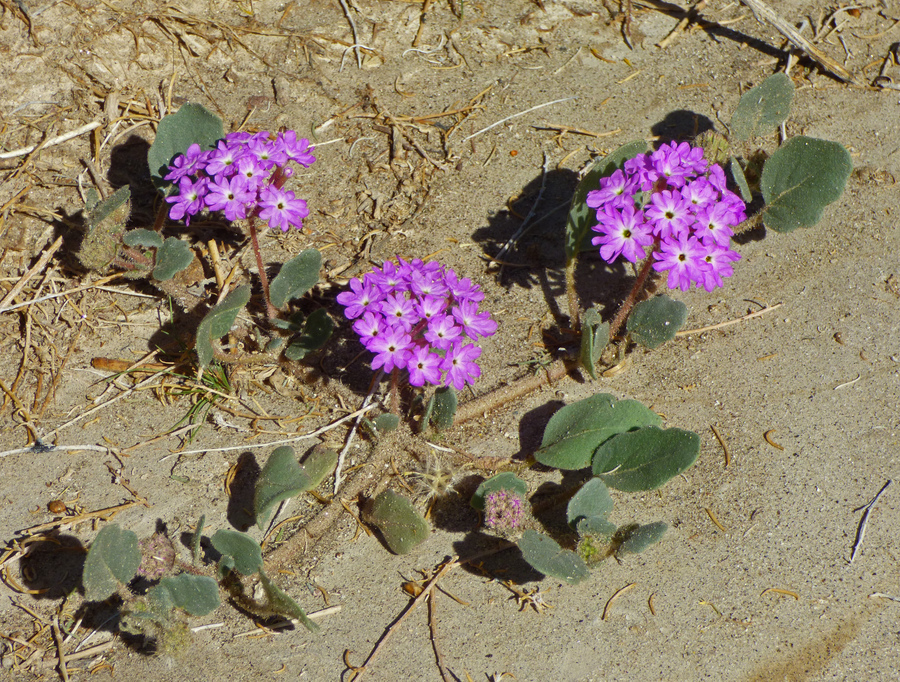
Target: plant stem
pixel 633 297
pixel 264 280
pixel 395 391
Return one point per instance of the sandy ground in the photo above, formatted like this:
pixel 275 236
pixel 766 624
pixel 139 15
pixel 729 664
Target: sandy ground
pixel 819 374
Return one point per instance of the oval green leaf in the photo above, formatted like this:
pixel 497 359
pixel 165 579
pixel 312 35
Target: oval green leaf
pixel 657 320
pixel 295 278
pixel 763 108
pixel 243 550
pixel 646 458
pixel 402 526
pixel 545 555
pixel 575 431
pixel 113 559
pixel 196 594
pixel 217 322
pixel 171 258
pixel 592 500
pixel 800 179
pixel 638 539
pixel 192 123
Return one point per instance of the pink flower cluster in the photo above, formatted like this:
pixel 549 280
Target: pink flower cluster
pixel 503 510
pixel 675 201
pixel 419 317
pixel 241 177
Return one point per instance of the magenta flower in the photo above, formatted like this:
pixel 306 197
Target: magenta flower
pixel 230 196
pixel 683 259
pixel 281 208
pixel 623 232
pixel 424 367
pixel 460 365
pixel 189 201
pixel 419 317
pixel 392 349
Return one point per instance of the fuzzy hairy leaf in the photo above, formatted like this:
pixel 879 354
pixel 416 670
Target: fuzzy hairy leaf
pixel 646 458
pixel 217 323
pixel 763 108
pixel 594 337
pixel 192 123
pixel 243 550
pixel 143 237
pixel 282 477
pixel 581 216
pixel 171 258
pixel 106 224
pixel 638 538
pixel 657 320
pixel 444 410
pixel 800 179
pixel 295 278
pixel 112 560
pixel 544 554
pixel 592 500
pixel 281 602
pixel 575 431
pixel 196 594
pixel 402 526
pixel 316 332
pixel 737 174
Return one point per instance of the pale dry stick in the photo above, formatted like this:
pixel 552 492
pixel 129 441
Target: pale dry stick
pixel 524 227
pixel 722 443
pixel 293 439
pixel 59 294
pixel 40 448
pixel 864 522
pixel 728 323
pixel 109 402
pixel 358 672
pixel 53 141
pixel 690 15
pixel 57 637
pixel 87 653
pixel 432 626
pixel 615 596
pixel 339 469
pixel 354 31
pixel 765 14
pixel 521 113
pixel 38 267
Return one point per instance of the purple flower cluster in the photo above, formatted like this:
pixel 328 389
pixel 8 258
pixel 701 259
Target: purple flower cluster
pixel 241 177
pixel 503 510
pixel 687 219
pixel 419 317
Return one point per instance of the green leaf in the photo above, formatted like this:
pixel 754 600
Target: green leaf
pixel 646 458
pixel 281 602
pixel 505 481
pixel 402 527
pixel 282 477
pixel 445 403
pixel 193 123
pixel 596 526
pixel 657 320
pixel 244 550
pixel 171 258
pixel 581 216
pixel 196 594
pixel 106 224
pixel 638 538
pixel 426 415
pixel 763 108
pixel 592 500
pixel 141 237
pixel 316 332
pixel 387 422
pixel 295 278
pixel 737 174
pixel 594 337
pixel 575 431
pixel 800 179
pixel 714 145
pixel 546 556
pixel 217 322
pixel 113 559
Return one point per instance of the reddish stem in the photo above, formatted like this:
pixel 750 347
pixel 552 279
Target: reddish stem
pixel 633 296
pixel 264 280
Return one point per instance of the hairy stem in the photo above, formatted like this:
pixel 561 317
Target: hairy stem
pixel 264 280
pixel 633 297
